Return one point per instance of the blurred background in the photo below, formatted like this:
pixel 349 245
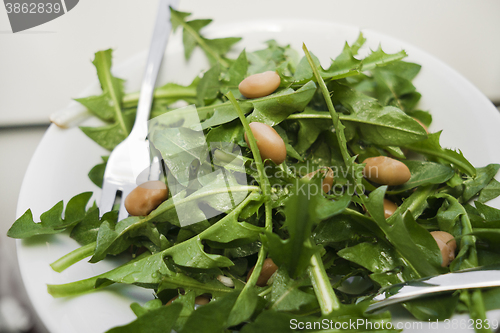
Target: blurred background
pixel 42 68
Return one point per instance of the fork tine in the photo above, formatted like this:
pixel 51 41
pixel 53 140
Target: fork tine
pixel 122 213
pixel 108 196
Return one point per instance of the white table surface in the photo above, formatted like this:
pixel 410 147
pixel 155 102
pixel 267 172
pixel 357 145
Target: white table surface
pixel 42 68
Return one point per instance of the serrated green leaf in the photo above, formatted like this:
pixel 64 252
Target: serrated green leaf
pixel 388 126
pixel 189 39
pixel 379 58
pixel 109 136
pixel 406 70
pixel 51 222
pixel 431 148
pixel 108 105
pixel 177 17
pixel 214 49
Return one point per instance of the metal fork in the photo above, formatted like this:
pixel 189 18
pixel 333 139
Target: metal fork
pixel 132 156
pixel 472 278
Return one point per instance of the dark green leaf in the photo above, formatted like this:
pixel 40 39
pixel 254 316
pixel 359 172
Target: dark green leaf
pixel 235 75
pixel 85 232
pixel 389 126
pixel 148 306
pixel 490 191
pixel 351 99
pixel 159 320
pixel 286 295
pixel 424 173
pixel 190 252
pixel 391 89
pixel 211 317
pixel 275 108
pixel 96 174
pixel 411 241
pixel 435 308
pixel 474 185
pixel 295 252
pixel 208 88
pixel 453 218
pixel 406 70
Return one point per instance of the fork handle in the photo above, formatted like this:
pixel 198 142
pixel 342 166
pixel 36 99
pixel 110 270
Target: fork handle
pixel 156 50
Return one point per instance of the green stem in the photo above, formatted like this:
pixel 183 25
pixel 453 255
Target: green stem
pixel 73 257
pixel 266 190
pixel 327 299
pixel 131 100
pixel 76 288
pixel 87 285
pixel 264 182
pixel 477 311
pixel 339 128
pixel 265 291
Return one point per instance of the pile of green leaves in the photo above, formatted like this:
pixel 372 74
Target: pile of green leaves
pixel 328 117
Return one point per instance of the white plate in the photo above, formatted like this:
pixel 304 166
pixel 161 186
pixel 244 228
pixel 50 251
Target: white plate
pixel 59 166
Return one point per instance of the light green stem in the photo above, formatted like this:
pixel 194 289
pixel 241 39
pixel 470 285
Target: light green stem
pixel 131 100
pixel 327 299
pixel 73 257
pixel 339 128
